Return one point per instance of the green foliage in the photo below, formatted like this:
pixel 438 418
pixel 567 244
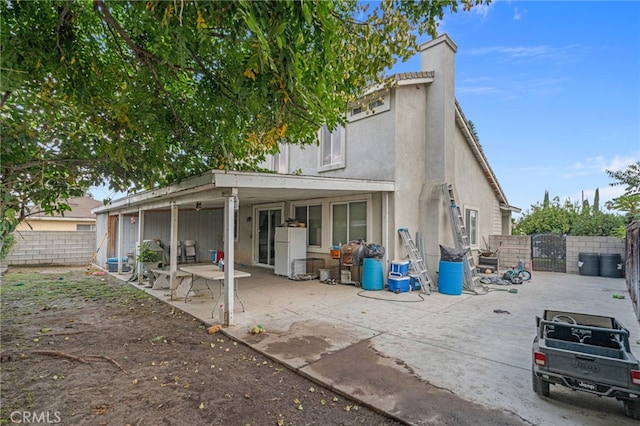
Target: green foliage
pixel 567 219
pixel 602 224
pixel 144 93
pixel 555 218
pixel 630 178
pixel 6 244
pixel 596 201
pixel 628 204
pixel 146 254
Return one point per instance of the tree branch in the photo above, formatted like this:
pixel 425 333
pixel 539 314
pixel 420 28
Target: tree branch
pixel 4 98
pixel 61 19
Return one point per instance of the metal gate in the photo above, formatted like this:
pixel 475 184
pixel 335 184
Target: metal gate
pixel 549 252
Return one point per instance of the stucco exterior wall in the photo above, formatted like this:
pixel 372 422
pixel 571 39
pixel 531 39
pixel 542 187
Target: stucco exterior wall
pixel 52 248
pixel 369 151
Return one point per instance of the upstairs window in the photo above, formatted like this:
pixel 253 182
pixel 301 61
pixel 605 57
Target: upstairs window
pixel 279 162
pixel 369 106
pixel 332 148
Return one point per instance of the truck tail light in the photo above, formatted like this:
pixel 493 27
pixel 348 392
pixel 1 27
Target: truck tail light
pixel 635 377
pixel 540 359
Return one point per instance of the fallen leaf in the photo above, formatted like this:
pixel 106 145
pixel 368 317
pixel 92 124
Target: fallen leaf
pixel 135 381
pixel 312 389
pixel 201 406
pixel 45 330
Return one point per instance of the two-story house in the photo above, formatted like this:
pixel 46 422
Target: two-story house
pixel 384 170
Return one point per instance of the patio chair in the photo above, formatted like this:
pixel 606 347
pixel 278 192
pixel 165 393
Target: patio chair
pixel 190 251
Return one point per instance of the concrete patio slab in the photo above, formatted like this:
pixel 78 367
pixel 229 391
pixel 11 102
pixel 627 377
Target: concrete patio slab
pixel 477 347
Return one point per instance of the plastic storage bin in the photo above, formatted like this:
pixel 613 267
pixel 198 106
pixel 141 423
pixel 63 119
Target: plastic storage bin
pixel 112 264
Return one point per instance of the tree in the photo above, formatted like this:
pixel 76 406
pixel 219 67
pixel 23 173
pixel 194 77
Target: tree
pixel 596 201
pixel 549 217
pixel 567 218
pixel 147 93
pixel 629 177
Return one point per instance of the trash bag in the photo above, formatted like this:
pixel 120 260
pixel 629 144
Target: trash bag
pixel 375 251
pixel 452 254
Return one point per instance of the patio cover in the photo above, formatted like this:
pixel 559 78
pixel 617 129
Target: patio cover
pixel 218 188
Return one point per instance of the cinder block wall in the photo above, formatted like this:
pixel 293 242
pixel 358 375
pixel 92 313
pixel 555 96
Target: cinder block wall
pixel 519 246
pixel 52 248
pixel 511 248
pixel 601 245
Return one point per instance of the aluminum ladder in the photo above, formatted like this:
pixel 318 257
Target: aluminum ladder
pixel 426 283
pixel 462 239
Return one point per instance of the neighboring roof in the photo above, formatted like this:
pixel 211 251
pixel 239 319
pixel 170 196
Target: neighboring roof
pixel 461 120
pixel 81 208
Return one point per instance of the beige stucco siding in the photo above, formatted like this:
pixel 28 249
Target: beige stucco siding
pixel 473 188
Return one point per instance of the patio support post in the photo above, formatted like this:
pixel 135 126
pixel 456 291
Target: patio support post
pixel 140 240
pixel 173 244
pixel 229 282
pixel 119 248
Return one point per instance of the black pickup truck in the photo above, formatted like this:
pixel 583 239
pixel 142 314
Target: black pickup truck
pixel 588 353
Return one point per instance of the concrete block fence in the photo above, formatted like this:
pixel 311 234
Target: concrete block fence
pixel 34 248
pixel 519 246
pixel 600 245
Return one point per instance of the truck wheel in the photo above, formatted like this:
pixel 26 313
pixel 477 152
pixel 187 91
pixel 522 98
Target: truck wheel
pixel 632 408
pixel 540 386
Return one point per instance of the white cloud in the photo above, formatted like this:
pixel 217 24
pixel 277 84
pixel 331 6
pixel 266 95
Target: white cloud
pixel 517 15
pixel 601 164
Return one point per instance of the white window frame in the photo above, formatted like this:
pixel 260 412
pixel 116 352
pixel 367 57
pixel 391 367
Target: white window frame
pixel 472 232
pixel 369 106
pixel 295 206
pixel 343 139
pixel 279 162
pixel 368 219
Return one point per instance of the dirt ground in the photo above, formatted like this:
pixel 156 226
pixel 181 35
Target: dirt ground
pixel 78 349
pixel 82 349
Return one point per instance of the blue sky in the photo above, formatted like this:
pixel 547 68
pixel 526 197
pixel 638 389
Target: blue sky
pixel 553 89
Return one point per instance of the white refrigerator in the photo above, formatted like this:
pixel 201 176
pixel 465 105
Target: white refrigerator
pixel 291 244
